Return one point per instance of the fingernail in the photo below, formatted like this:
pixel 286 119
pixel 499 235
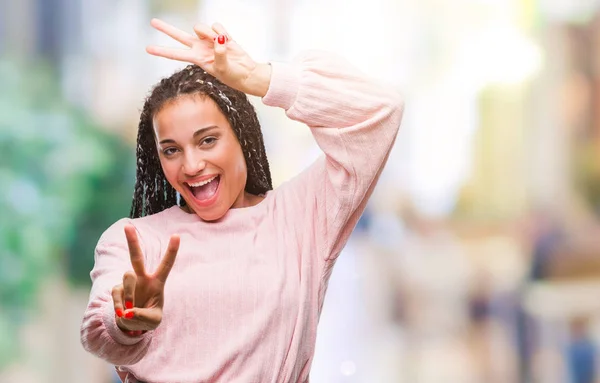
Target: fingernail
pixel 129 315
pixel 119 313
pixel 129 305
pixel 221 39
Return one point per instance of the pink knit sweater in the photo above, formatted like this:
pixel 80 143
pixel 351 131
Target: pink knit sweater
pixel 243 299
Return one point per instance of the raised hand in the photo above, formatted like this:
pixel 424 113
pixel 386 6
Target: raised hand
pixel 217 53
pixel 139 300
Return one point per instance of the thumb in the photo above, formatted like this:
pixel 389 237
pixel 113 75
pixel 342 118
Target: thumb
pixel 150 316
pixel 221 53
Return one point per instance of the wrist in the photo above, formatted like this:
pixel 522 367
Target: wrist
pixel 259 80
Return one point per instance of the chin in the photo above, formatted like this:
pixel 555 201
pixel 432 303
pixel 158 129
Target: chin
pixel 212 213
pixel 212 216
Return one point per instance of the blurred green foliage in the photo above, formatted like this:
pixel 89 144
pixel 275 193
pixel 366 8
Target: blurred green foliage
pixel 64 181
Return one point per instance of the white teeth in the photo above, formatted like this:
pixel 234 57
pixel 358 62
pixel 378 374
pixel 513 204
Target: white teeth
pixel 202 183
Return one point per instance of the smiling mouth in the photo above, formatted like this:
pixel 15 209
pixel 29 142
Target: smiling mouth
pixel 204 192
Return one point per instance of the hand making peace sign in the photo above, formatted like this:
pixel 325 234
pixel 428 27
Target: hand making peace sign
pixel 139 300
pixel 217 53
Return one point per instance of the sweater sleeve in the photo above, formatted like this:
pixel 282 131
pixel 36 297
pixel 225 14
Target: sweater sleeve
pixel 354 121
pixel 100 334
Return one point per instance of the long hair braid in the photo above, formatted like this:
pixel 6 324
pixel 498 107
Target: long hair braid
pixel 152 192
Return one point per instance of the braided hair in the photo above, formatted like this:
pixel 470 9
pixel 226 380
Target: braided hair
pixel 153 193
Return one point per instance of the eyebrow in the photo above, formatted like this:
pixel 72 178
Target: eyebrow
pixel 196 133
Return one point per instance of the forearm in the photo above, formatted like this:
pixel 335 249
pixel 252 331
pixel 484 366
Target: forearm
pixel 354 121
pixel 353 118
pixel 322 90
pixel 101 336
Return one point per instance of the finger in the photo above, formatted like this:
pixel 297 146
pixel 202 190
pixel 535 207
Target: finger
pixel 165 266
pixel 135 252
pixel 117 295
pixel 171 53
pixel 124 324
pixel 220 54
pixel 129 281
pixel 135 333
pixel 220 30
pixel 204 32
pixel 173 32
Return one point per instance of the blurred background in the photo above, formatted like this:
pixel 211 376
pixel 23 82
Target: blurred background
pixel 478 258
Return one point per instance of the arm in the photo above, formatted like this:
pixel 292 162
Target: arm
pixel 100 334
pixel 354 121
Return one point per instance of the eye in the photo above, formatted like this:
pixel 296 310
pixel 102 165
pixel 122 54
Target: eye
pixel 209 140
pixel 169 151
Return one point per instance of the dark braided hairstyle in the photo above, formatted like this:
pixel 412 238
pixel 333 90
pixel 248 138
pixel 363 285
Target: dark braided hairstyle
pixel 153 193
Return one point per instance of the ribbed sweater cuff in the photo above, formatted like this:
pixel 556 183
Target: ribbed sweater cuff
pixel 283 89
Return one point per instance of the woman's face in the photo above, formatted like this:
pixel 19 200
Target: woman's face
pixel 201 156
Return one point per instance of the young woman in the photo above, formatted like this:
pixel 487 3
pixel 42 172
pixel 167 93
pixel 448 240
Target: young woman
pixel 247 266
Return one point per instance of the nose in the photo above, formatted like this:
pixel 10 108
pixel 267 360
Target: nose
pixel 193 164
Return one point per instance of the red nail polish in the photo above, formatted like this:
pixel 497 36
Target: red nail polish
pixel 221 39
pixel 119 313
pixel 129 315
pixel 128 305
